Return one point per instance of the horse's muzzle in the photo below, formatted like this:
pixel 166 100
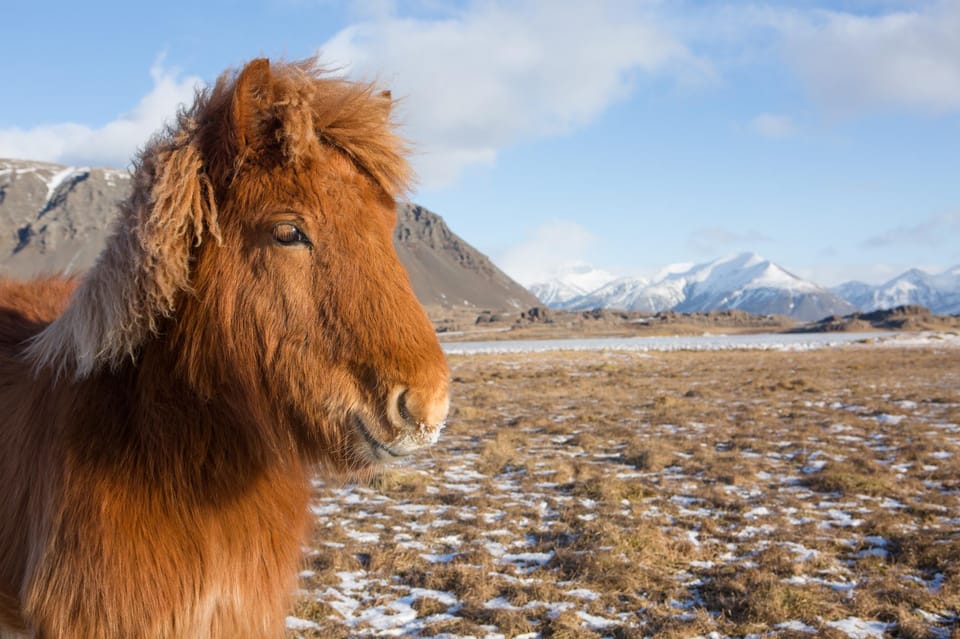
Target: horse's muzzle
pixel 414 424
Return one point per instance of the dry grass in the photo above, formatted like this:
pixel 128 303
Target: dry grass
pixel 671 495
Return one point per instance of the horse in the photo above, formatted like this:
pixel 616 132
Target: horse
pixel 247 323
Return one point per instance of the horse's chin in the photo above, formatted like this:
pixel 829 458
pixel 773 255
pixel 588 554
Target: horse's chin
pixel 373 448
pixel 379 451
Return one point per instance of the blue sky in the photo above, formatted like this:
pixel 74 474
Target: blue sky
pixel 629 135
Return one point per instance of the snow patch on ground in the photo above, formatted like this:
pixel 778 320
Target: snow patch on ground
pixel 859 629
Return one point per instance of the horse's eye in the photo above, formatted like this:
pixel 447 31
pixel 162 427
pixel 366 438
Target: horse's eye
pixel 289 234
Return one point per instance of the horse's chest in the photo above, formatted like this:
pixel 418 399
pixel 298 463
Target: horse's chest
pixel 246 582
pixel 248 570
pixel 126 567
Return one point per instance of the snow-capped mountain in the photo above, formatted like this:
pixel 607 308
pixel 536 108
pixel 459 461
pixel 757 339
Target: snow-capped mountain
pixel 53 218
pixel 751 283
pixel 747 282
pixel 574 280
pixel 555 292
pixel 853 290
pixel 624 293
pixel 938 292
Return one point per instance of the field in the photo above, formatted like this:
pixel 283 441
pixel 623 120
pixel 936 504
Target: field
pixel 683 494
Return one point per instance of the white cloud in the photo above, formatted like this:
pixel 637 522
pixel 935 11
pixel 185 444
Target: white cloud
pixel 907 59
pixel 113 144
pixel 773 126
pixel 497 74
pixel 862 56
pixel 552 248
pixel 933 231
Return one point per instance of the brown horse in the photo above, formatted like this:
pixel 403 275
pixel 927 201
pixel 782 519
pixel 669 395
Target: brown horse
pixel 248 318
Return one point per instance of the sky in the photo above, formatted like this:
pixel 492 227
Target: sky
pixel 629 135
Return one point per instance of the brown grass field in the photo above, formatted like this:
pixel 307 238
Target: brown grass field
pixel 715 494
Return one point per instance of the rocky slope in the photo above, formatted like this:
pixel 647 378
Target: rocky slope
pixel 445 270
pixel 55 219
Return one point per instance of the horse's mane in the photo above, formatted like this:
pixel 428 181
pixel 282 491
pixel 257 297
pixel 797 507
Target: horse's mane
pixel 178 178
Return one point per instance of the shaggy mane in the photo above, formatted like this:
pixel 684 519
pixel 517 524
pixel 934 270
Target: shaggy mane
pixel 177 179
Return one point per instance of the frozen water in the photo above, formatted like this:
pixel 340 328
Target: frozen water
pixel 759 341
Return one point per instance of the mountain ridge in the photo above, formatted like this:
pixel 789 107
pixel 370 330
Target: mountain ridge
pixel 940 292
pixel 745 281
pixel 771 289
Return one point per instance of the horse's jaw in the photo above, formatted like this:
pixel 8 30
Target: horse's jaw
pixel 412 438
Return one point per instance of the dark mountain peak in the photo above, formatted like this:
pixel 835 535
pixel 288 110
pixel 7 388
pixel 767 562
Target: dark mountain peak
pixel 445 270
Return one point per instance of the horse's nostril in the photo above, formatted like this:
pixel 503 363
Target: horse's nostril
pixel 416 417
pixel 403 411
pixel 401 417
pixel 412 410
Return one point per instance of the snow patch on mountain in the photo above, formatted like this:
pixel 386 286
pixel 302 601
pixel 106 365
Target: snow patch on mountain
pixel 625 292
pixel 570 281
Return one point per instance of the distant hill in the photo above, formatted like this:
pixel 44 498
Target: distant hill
pixel 744 282
pixel 939 292
pixel 55 219
pixel 909 318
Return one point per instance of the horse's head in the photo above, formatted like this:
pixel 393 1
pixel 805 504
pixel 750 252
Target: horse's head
pixel 287 289
pixel 305 289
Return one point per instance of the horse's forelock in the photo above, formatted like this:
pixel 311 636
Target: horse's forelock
pixel 300 107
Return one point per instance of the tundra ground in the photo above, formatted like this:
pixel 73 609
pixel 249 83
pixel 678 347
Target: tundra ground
pixel 683 494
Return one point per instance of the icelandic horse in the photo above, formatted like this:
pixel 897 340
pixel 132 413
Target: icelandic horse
pixel 247 321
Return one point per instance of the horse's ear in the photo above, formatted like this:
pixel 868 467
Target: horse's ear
pixel 252 99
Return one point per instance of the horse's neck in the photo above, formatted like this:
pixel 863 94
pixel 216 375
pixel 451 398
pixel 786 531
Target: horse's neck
pixel 145 423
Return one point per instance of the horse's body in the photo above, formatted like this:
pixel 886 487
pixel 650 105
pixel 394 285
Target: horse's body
pixel 159 419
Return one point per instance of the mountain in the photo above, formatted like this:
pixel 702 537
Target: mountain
pixel 750 283
pixel 447 271
pixel 625 293
pixel 55 219
pixel 575 280
pixel 938 292
pixel 746 282
pixel 853 290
